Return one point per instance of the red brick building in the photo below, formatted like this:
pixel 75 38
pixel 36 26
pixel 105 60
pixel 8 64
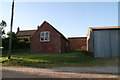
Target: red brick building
pixel 78 43
pixel 48 40
pixel 25 34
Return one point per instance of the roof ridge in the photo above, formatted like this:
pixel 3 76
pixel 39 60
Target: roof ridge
pixel 76 37
pixel 27 30
pixel 55 29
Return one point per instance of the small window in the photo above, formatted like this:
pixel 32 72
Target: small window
pixel 44 36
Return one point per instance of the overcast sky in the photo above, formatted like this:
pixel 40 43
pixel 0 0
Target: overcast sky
pixel 72 19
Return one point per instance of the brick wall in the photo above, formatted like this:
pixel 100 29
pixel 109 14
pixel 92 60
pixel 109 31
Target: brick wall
pixel 78 43
pixel 55 45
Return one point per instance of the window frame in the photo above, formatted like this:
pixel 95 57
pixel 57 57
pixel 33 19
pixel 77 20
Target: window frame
pixel 43 35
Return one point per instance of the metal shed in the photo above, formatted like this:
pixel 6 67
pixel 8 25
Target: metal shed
pixel 103 41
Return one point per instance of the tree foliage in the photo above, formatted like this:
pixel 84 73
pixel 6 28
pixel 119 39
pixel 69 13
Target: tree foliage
pixel 2 25
pixel 16 43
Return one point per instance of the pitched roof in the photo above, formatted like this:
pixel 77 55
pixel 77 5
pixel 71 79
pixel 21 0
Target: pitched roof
pixel 77 37
pixel 26 33
pixel 45 22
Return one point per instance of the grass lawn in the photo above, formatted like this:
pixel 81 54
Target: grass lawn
pixel 73 58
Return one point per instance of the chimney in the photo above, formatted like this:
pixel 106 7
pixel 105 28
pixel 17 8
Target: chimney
pixel 38 27
pixel 18 29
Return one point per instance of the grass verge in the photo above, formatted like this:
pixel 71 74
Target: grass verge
pixel 74 58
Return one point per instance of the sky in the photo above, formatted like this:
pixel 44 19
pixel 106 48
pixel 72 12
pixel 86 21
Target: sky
pixel 72 19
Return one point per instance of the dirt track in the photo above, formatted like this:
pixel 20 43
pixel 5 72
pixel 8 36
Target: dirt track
pixel 24 72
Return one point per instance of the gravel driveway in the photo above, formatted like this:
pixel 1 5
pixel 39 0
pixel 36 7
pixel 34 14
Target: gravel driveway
pixel 68 72
pixel 98 69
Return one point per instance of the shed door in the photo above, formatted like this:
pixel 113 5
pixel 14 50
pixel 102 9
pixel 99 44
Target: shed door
pixel 102 43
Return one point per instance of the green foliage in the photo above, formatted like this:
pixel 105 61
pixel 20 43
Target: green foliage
pixel 21 41
pixel 73 58
pixel 23 44
pixel 26 39
pixel 2 25
pixel 13 34
pixel 16 43
pixel 5 43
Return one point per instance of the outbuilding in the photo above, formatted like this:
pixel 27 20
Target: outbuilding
pixel 25 34
pixel 78 43
pixel 103 41
pixel 47 39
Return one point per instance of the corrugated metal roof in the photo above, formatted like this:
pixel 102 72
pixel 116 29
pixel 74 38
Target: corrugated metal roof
pixel 101 28
pixel 111 27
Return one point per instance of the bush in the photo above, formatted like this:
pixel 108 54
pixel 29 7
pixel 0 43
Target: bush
pixel 5 43
pixel 26 39
pixel 16 43
pixel 21 41
pixel 23 44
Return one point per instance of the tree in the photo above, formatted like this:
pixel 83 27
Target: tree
pixel 13 34
pixel 2 25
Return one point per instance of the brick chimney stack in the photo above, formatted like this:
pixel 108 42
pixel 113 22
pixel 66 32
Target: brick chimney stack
pixel 38 27
pixel 18 29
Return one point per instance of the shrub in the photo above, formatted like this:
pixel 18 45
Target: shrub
pixel 16 43
pixel 26 39
pixel 23 44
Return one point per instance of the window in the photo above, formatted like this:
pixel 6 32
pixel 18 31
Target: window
pixel 44 36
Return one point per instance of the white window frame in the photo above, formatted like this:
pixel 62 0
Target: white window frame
pixel 44 36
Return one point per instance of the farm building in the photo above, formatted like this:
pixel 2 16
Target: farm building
pixel 103 41
pixel 78 43
pixel 25 34
pixel 47 39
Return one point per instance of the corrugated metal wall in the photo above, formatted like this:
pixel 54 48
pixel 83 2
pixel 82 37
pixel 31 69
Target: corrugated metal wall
pixel 106 43
pixel 90 43
pixel 101 44
pixel 114 42
pixel 119 43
